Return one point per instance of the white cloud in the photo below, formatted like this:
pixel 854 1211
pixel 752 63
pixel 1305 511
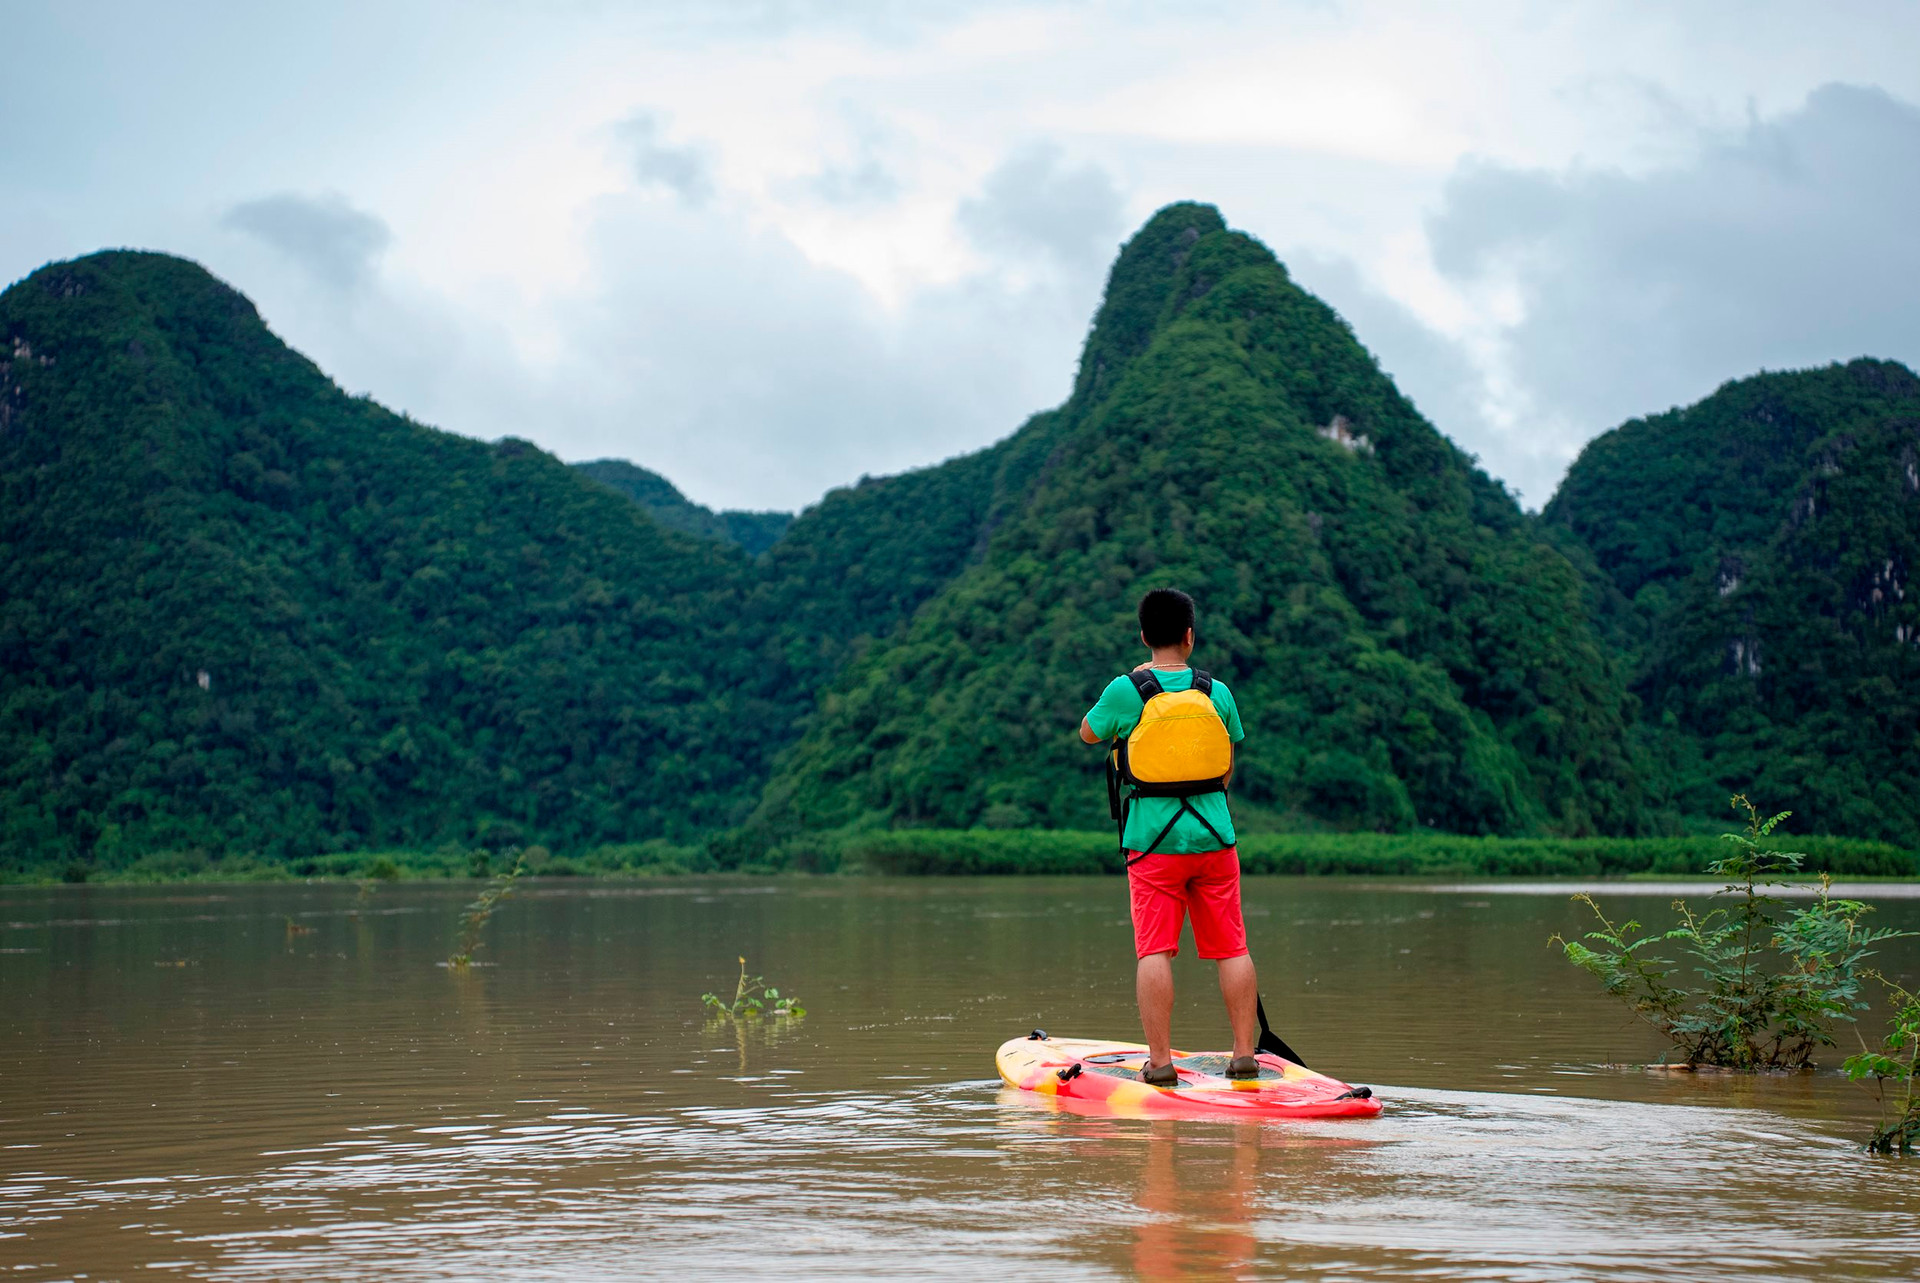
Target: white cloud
pixel 338 245
pixel 753 375
pixel 868 182
pixel 1034 202
pixel 1788 244
pixel 836 238
pixel 677 167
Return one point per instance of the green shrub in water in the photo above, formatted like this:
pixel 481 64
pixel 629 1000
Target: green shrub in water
pixel 751 1000
pixel 474 919
pixel 1898 1061
pixel 1771 987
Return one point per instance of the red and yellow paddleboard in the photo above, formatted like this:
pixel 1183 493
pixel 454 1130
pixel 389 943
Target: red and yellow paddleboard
pixel 1107 1075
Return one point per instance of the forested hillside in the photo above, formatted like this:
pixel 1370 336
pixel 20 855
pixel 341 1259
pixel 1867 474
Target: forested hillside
pixel 1762 544
pixel 241 611
pixel 1407 651
pixel 754 531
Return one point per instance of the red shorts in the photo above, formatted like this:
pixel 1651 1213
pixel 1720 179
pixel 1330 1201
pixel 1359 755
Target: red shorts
pixel 1166 888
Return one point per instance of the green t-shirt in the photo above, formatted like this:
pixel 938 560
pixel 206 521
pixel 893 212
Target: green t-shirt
pixel 1115 715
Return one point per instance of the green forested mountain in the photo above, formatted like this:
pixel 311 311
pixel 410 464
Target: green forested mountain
pixel 1406 650
pixel 241 611
pixel 754 531
pixel 1761 545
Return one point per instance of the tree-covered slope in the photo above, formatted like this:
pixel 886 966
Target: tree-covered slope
pixel 856 565
pixel 1766 539
pixel 242 610
pixel 1405 649
pixel 754 531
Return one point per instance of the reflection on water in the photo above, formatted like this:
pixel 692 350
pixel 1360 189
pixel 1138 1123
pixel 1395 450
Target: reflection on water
pixel 185 1083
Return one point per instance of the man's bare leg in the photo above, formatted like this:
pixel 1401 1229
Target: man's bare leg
pixel 1153 986
pixel 1240 986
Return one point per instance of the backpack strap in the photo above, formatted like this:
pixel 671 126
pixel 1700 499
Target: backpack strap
pixel 1145 683
pixel 1203 682
pixel 1186 805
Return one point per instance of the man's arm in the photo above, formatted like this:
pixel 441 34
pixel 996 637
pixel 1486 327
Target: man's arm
pixel 1109 715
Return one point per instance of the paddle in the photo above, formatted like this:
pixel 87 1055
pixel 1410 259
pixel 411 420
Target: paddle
pixel 1270 1041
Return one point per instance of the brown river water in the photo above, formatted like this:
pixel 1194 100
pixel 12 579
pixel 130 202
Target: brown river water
pixel 281 1082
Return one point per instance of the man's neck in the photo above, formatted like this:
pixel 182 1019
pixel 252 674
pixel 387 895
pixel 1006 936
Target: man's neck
pixel 1171 657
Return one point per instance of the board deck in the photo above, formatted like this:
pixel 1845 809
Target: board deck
pixel 1107 1074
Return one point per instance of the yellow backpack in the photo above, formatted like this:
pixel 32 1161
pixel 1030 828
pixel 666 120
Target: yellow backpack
pixel 1179 748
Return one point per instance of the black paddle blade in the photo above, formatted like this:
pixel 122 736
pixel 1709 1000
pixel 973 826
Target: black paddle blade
pixel 1270 1041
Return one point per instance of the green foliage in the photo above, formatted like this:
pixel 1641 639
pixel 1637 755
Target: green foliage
pixel 753 531
pixel 242 612
pixel 473 919
pixel 244 616
pixel 1060 851
pixel 1898 1061
pixel 751 1000
pixel 867 556
pixel 1771 989
pixel 1752 557
pixel 1048 851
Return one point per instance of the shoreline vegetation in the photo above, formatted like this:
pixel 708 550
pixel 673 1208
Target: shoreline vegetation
pixel 964 852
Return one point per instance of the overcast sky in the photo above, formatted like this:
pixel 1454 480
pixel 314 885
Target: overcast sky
pixel 767 247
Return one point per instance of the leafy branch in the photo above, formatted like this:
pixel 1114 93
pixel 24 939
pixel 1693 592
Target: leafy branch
pixel 752 999
pixel 474 919
pixel 1898 1061
pixel 1770 986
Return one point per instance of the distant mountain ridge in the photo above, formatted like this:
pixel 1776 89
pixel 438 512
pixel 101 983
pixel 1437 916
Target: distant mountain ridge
pixel 1762 545
pixel 753 531
pixel 241 611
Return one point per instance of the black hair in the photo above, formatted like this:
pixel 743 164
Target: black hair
pixel 1165 616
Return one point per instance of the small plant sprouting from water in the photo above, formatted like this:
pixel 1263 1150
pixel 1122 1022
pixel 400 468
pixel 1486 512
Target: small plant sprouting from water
pixel 1897 1062
pixel 752 999
pixel 1771 988
pixel 474 919
pixel 380 869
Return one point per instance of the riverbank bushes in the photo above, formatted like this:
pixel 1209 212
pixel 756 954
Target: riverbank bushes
pixel 977 851
pixel 961 852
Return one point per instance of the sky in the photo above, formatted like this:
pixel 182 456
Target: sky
pixel 766 247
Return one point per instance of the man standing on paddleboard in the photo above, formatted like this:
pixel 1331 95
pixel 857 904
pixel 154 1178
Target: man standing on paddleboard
pixel 1173 728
